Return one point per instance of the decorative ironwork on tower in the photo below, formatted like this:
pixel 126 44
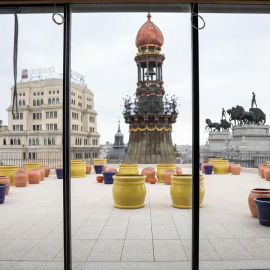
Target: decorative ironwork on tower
pixel 151 115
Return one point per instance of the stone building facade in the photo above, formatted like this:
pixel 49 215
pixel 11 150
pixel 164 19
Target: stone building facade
pixel 37 131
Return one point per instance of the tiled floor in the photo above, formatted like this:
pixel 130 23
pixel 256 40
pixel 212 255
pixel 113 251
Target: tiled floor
pixel 157 236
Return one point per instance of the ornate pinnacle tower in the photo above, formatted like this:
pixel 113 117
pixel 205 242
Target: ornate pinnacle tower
pixel 151 115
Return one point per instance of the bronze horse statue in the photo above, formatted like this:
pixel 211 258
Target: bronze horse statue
pixel 210 125
pixel 245 117
pixel 233 116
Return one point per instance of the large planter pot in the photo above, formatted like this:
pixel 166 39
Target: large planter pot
pixel 32 165
pixel 20 178
pixel 259 168
pixel 98 169
pixel 267 173
pixel 268 163
pixel 128 169
pixel 148 172
pixel 3 188
pixel 230 167
pixel 221 166
pixel 129 191
pixel 34 176
pixel 42 173
pixel 108 177
pixel 263 208
pixel 202 166
pixel 181 191
pixel 262 170
pixel 208 169
pixel 59 173
pixel 8 170
pixel 112 170
pixel 101 161
pixel 4 180
pixel 78 169
pixel 256 193
pixel 161 168
pixel 179 170
pixel 88 168
pixel 167 176
pixel 236 169
pixel 47 170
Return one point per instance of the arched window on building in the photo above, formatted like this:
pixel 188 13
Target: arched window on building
pixel 53 141
pixel 15 141
pixel 57 100
pixel 80 141
pixel 19 141
pixel 11 141
pixel 4 141
pixel 37 141
pixel 20 103
pixel 45 141
pixel 49 141
pixel 76 141
pixel 23 102
pixel 53 101
pixel 42 102
pixel 30 141
pixel 38 102
pixel 49 101
pixel 34 141
pixel 34 102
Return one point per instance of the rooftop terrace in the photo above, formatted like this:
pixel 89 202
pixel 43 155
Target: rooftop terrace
pixel 157 236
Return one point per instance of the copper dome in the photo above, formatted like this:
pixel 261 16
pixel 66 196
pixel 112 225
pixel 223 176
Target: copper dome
pixel 149 34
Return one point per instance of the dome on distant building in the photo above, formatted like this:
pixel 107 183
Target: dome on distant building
pixel 149 34
pixel 118 152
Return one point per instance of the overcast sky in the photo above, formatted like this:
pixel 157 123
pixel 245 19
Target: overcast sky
pixel 234 62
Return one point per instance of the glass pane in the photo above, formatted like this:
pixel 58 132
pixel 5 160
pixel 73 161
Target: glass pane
pixel 234 70
pixel 31 218
pixel 103 51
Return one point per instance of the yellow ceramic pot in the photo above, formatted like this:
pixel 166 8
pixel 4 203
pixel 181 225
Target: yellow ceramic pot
pixel 32 165
pixel 100 161
pixel 221 166
pixel 8 170
pixel 268 163
pixel 128 169
pixel 161 168
pixel 129 191
pixel 78 169
pixel 181 190
pixel 213 159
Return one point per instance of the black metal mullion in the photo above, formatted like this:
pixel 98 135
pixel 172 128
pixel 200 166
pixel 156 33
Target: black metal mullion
pixel 66 138
pixel 195 139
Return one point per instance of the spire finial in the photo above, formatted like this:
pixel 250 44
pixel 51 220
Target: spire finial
pixel 149 16
pixel 119 130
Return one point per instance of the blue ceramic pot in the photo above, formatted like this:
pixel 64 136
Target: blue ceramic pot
pixel 108 177
pixel 3 189
pixel 59 173
pixel 263 208
pixel 98 168
pixel 208 169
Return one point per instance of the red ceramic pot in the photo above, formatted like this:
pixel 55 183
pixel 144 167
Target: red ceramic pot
pixel 257 193
pixel 6 181
pixel 167 176
pixel 42 173
pixel 47 170
pixel 262 170
pixel 148 172
pixel 259 168
pixel 34 176
pixel 267 173
pixel 22 170
pixel 100 179
pixel 88 168
pixel 236 169
pixel 20 178
pixel 178 170
pixel 152 180
pixel 230 167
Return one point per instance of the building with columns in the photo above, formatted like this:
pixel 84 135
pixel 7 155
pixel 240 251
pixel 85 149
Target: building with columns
pixel 37 131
